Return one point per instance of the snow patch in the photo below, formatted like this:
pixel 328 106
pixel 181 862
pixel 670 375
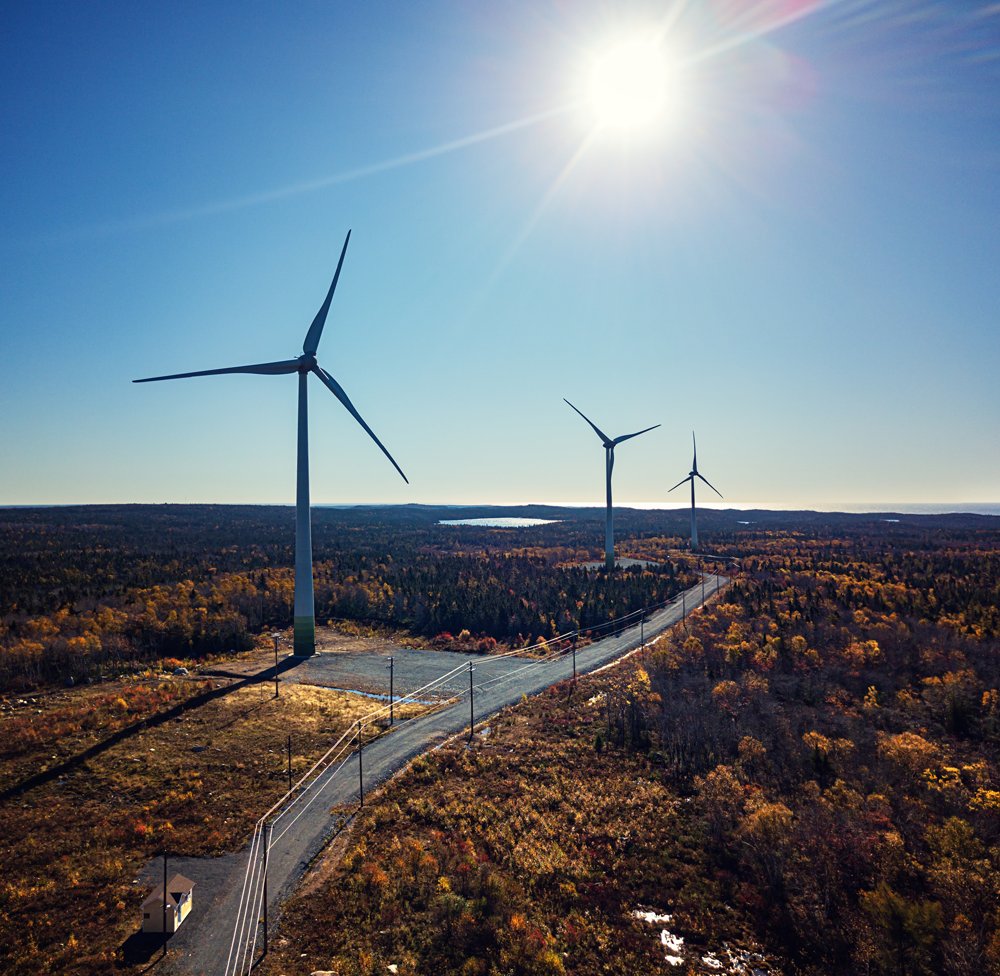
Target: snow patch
pixel 674 944
pixel 651 917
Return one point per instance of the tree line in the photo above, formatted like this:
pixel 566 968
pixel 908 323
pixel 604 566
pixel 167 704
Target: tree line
pixel 90 590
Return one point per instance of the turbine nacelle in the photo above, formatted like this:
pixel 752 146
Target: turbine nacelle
pixel 608 443
pixel 304 617
pixel 609 447
pixel 692 474
pixel 306 363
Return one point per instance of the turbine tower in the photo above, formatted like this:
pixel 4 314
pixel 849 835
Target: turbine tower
pixel 304 643
pixel 694 474
pixel 609 464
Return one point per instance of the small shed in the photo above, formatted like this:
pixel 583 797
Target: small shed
pixel 179 901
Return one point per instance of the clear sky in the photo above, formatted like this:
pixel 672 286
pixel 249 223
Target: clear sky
pixel 793 249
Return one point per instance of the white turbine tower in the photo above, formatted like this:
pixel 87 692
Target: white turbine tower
pixel 694 474
pixel 609 464
pixel 304 613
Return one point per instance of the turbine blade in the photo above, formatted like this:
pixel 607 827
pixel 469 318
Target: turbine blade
pixel 269 369
pixel 625 437
pixel 679 483
pixel 338 391
pixel 315 332
pixel 710 485
pixel 604 437
pixel 694 463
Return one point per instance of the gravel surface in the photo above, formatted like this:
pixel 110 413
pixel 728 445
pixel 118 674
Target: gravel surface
pixel 412 669
pixel 302 829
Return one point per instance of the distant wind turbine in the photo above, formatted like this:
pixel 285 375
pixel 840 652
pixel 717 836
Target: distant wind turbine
pixel 304 643
pixel 609 464
pixel 694 474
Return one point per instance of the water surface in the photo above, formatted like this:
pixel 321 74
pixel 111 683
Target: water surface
pixel 498 522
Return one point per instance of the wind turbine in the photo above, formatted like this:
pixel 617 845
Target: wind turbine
pixel 304 643
pixel 694 474
pixel 609 464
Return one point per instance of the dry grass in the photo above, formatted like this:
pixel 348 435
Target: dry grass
pixel 194 783
pixel 526 853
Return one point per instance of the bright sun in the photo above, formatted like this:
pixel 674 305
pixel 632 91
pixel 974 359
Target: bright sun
pixel 628 85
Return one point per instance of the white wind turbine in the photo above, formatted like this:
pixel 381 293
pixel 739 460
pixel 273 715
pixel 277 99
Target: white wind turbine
pixel 609 464
pixel 304 643
pixel 694 474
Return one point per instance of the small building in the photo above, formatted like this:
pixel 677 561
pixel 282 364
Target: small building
pixel 179 902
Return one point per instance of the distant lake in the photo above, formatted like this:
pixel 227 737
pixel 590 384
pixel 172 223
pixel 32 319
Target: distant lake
pixel 499 523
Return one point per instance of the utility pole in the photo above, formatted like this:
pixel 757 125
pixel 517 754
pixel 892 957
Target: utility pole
pixel 702 587
pixel 289 762
pixel 472 706
pixel 642 627
pixel 576 633
pixel 361 775
pixel 389 667
pixel 683 606
pixel 164 904
pixel 267 847
pixel 276 637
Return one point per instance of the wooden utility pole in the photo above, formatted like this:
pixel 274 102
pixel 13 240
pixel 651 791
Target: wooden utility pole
pixel 361 775
pixel 276 637
pixel 389 666
pixel 267 847
pixel 164 904
pixel 642 627
pixel 576 633
pixel 289 762
pixel 472 705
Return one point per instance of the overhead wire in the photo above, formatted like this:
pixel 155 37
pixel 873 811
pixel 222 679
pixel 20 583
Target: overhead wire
pixel 254 881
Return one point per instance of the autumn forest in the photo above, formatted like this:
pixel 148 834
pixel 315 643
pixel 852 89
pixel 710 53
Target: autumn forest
pixel 806 771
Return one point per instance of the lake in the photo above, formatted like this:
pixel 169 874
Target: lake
pixel 499 523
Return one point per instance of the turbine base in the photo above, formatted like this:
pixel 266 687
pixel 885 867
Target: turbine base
pixel 304 637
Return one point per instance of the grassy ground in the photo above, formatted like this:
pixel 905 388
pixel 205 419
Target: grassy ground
pixel 529 852
pixel 189 772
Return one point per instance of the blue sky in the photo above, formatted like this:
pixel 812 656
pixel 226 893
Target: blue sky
pixel 797 258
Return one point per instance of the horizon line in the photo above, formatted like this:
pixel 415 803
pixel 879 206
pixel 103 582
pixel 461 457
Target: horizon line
pixel 846 508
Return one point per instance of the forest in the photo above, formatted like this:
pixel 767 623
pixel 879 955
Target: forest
pixel 802 779
pixel 99 590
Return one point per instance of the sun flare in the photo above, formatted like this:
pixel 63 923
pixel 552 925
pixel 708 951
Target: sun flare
pixel 628 85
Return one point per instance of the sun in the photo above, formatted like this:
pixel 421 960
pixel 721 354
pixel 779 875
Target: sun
pixel 628 85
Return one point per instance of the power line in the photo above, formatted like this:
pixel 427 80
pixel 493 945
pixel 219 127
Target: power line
pixel 254 889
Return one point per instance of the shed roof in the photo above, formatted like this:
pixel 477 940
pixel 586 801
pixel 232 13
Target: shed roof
pixel 178 884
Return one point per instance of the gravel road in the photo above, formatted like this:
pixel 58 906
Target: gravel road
pixel 203 944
